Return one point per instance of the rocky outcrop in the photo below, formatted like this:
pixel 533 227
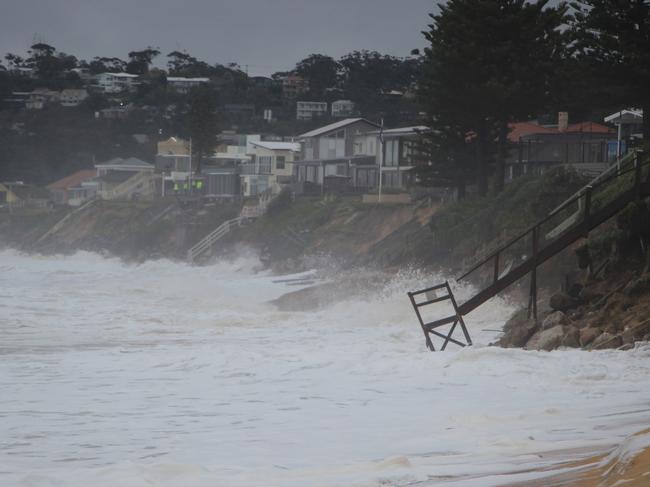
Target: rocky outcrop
pixel 599 316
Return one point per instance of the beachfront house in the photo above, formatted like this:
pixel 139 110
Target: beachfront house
pixel 328 161
pixel 125 179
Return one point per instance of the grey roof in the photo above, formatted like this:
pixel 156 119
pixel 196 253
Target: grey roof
pixel 130 161
pixel 334 126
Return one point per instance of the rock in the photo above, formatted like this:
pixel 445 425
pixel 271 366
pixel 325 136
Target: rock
pixel 626 346
pixel 555 319
pixel 588 335
pixel 546 339
pixel 572 338
pixel 563 302
pixel 588 295
pixel 616 303
pixel 575 314
pixel 646 338
pixel 519 334
pixel 606 340
pixel 628 336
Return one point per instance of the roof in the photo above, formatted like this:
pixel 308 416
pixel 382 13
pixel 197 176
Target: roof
pixel 334 126
pixel 74 179
pixel 114 177
pixel 588 127
pixel 292 146
pixel 131 161
pixel 401 131
pixel 182 78
pixel 121 75
pixel 629 115
pixel 521 129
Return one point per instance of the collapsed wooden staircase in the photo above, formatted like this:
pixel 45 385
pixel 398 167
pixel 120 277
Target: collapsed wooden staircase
pixel 597 202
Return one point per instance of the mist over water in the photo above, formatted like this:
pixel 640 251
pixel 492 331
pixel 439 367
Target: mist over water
pixel 167 374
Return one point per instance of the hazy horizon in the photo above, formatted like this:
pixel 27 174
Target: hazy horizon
pixel 261 37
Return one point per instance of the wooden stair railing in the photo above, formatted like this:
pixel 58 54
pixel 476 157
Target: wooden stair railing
pixel 595 209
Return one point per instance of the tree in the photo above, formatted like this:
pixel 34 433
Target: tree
pixel 139 61
pixel 202 123
pixel 614 37
pixel 182 64
pixel 320 71
pixel 479 73
pixel 106 65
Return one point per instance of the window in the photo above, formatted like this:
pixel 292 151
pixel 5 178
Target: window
pixel 279 162
pixel 392 153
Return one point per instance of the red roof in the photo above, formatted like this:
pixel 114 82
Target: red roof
pixel 520 129
pixel 74 179
pixel 588 127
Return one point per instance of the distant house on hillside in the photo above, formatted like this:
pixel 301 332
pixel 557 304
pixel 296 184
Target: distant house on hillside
pixel 294 86
pixel 111 83
pixel 72 98
pixel 70 187
pixel 342 109
pixel 184 85
pixel 310 110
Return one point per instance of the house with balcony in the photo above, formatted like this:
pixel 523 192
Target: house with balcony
pixel 272 169
pixel 310 110
pixel 397 156
pixel 342 108
pixel 588 147
pixel 294 86
pixel 112 83
pixel 184 85
pixel 329 161
pixel 72 97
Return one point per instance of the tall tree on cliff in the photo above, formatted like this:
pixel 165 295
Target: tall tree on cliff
pixel 614 37
pixel 139 61
pixel 488 63
pixel 320 71
pixel 202 123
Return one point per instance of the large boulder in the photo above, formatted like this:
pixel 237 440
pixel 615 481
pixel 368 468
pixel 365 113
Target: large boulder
pixel 606 340
pixel 518 330
pixel 547 339
pixel 571 338
pixel 563 302
pixel 588 335
pixel 554 319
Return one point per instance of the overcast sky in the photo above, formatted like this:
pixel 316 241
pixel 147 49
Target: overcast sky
pixel 266 35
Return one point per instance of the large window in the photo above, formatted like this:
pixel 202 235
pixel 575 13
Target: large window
pixel 392 152
pixel 279 162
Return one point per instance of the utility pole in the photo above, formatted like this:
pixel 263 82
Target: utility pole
pixel 381 157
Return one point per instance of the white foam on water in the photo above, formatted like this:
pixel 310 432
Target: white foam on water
pixel 165 374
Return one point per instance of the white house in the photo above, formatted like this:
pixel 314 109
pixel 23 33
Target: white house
pixel 272 167
pixel 342 108
pixel 116 82
pixel 309 110
pixel 184 85
pixel 125 179
pixel 72 98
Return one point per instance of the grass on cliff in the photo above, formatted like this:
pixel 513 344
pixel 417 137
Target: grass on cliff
pixel 463 228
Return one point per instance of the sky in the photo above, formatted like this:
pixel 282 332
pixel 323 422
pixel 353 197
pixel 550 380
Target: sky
pixel 263 36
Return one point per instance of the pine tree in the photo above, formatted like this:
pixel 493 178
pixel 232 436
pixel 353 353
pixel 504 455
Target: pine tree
pixel 614 37
pixel 490 62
